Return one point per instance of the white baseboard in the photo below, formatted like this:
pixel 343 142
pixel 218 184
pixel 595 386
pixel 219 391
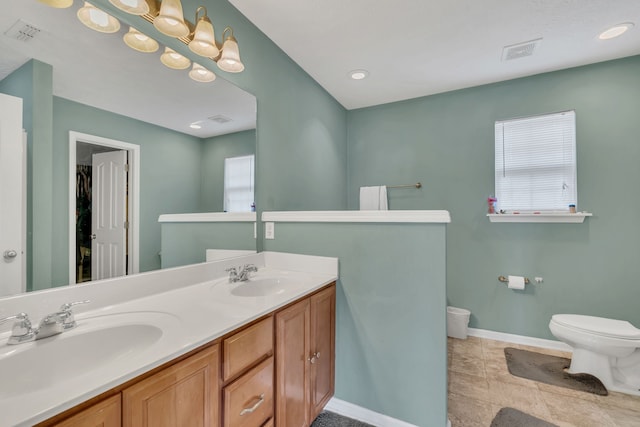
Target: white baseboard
pixel 519 339
pixel 363 414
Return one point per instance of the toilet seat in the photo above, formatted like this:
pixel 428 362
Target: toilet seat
pixel 598 326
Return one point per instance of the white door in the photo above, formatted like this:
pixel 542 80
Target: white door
pixel 108 215
pixel 12 175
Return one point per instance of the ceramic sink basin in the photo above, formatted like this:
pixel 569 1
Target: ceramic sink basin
pixel 263 286
pixel 99 341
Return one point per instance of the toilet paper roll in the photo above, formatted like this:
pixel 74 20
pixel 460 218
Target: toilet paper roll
pixel 516 282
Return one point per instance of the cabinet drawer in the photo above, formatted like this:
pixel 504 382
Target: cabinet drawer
pixel 247 347
pixel 248 401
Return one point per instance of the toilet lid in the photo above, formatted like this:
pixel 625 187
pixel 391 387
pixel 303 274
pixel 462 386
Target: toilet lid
pixel 599 325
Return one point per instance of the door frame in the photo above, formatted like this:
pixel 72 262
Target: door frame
pixel 133 198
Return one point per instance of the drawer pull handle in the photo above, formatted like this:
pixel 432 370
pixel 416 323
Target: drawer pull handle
pixel 254 407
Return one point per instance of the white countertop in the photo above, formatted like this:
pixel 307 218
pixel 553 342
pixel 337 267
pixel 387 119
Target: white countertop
pixel 189 315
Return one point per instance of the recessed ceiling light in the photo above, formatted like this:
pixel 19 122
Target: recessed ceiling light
pixel 615 31
pixel 195 126
pixel 358 74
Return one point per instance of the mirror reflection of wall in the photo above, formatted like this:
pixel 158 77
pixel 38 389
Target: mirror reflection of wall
pixel 69 81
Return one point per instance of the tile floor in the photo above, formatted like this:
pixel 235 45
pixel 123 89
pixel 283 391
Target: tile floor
pixel 480 384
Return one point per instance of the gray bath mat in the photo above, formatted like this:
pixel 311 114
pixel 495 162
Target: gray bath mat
pixel 329 419
pixel 509 417
pixel 550 370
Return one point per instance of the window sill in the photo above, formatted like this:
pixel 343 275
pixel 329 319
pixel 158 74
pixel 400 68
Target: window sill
pixel 541 217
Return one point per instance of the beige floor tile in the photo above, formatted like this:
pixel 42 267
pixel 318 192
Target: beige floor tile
pixel 469 386
pixel 474 398
pixel 523 398
pixel 578 412
pixel 466 412
pixel 466 364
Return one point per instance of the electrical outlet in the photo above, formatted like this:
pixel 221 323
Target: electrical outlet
pixel 269 230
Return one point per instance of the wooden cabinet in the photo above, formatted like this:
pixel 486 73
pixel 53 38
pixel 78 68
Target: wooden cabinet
pixel 103 414
pixel 305 358
pixel 248 400
pixel 236 382
pixel 184 394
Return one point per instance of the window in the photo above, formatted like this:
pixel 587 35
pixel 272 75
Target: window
pixel 238 184
pixel 535 164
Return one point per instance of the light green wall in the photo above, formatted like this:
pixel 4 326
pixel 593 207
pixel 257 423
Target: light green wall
pixel 33 83
pixel 214 151
pixel 187 243
pixel 170 170
pixel 391 352
pixel 446 141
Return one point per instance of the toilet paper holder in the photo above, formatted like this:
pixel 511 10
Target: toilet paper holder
pixel 503 279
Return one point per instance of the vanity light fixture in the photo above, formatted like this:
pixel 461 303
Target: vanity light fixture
pixel 204 41
pixel 230 59
pixel 140 42
pixel 134 7
pixel 173 59
pixel 170 20
pixel 59 4
pixel 201 74
pixel 358 74
pixel 615 31
pixel 97 20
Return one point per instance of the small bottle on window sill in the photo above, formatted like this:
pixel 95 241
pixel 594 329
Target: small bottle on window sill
pixel 572 208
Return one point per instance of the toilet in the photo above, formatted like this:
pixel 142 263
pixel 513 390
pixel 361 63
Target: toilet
pixel 605 348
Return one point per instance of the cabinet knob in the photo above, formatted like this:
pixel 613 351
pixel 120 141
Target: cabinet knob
pixel 314 357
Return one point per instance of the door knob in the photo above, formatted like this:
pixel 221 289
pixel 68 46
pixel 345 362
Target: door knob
pixel 10 253
pixel 93 237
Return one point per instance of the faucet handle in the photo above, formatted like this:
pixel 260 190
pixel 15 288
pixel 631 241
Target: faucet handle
pixel 67 306
pixel 68 321
pixel 21 330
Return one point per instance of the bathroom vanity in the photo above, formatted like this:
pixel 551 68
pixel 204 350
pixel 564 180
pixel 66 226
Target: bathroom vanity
pixel 255 353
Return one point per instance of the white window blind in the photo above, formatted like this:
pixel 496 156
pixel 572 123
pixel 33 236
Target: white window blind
pixel 535 163
pixel 238 184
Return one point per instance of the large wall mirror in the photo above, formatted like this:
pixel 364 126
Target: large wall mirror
pixel 90 91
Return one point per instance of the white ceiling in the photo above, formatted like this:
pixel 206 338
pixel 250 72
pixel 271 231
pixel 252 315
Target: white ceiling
pixel 414 48
pixel 101 71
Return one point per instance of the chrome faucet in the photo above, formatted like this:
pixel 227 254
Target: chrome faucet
pixel 51 324
pixel 241 274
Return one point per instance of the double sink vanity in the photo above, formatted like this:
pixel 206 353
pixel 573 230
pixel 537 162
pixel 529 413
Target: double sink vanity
pixel 212 344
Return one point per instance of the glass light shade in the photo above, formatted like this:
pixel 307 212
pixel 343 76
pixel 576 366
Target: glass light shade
pixel 204 42
pixel 170 20
pixel 201 74
pixel 230 59
pixel 60 4
pixel 140 42
pixel 134 7
pixel 97 20
pixel 173 59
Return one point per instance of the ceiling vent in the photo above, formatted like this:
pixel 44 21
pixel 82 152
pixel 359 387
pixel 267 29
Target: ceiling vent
pixel 22 31
pixel 220 119
pixel 520 50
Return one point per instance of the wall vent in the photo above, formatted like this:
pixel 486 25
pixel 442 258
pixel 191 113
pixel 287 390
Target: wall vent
pixel 520 50
pixel 22 31
pixel 220 119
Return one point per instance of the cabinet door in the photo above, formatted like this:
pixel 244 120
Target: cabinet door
pixel 102 414
pixel 292 365
pixel 323 330
pixel 186 394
